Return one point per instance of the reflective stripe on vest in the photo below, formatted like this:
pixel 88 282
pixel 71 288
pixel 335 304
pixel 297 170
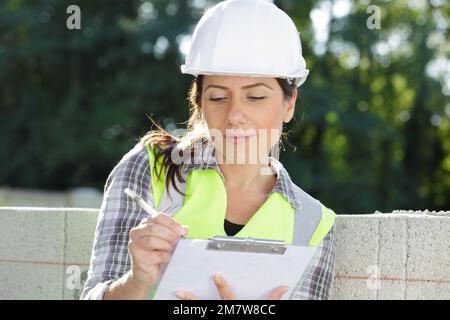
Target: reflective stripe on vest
pixel 204 210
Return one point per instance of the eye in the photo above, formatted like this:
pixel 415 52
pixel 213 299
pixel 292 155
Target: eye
pixel 257 98
pixel 217 99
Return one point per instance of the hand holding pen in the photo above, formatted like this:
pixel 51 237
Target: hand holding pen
pixel 151 243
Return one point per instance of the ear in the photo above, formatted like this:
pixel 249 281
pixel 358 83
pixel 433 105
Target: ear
pixel 289 112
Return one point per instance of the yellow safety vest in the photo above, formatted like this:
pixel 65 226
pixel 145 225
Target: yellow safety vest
pixel 204 207
pixel 203 210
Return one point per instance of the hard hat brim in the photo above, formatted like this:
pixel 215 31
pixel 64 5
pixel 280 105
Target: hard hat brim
pixel 298 77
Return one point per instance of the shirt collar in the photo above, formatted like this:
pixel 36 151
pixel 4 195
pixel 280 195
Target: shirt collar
pixel 284 185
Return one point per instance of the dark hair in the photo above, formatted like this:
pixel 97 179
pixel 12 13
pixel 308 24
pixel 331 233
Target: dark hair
pixel 165 142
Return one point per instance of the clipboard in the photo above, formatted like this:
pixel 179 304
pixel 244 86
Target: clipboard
pixel 252 267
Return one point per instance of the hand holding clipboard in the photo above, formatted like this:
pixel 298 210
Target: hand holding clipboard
pixel 252 267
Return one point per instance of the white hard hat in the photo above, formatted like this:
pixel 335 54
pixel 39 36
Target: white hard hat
pixel 247 38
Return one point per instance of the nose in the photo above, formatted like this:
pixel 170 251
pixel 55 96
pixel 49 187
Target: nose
pixel 236 114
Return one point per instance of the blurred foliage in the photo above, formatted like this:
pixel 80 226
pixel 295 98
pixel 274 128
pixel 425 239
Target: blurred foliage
pixel 371 130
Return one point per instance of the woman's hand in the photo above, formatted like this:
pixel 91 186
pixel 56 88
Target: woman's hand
pixel 151 243
pixel 226 293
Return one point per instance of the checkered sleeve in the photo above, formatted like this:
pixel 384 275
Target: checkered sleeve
pixel 317 281
pixel 110 258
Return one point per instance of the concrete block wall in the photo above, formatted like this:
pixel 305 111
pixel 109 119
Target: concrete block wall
pixel 45 252
pixel 401 255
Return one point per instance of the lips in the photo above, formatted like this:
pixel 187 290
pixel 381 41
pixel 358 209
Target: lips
pixel 238 138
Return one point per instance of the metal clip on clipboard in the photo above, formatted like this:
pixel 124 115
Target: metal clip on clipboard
pixel 267 246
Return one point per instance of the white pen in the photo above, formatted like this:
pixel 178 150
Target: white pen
pixel 144 205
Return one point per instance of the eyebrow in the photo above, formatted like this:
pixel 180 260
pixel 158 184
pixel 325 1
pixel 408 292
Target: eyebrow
pixel 244 87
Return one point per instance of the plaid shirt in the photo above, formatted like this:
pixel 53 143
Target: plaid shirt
pixel 110 258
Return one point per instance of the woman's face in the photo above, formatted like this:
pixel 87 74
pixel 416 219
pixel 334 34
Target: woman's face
pixel 245 114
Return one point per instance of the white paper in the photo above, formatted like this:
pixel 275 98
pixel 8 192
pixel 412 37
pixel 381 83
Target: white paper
pixel 250 275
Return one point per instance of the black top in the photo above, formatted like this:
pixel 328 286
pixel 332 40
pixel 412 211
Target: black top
pixel 232 228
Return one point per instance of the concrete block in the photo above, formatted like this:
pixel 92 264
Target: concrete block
pixel 392 256
pixel 356 251
pixel 428 258
pixel 79 235
pixel 31 281
pixel 32 234
pixel 80 231
pixel 352 289
pixel 427 291
pixel 74 278
pixel 356 244
pixel 428 248
pixel 391 289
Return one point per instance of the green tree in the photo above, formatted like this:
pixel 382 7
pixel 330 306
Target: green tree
pixel 372 122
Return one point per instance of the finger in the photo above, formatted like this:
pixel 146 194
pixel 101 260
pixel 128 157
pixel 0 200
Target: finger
pixel 154 229
pixel 161 231
pixel 184 295
pixel 150 243
pixel 170 223
pixel 224 289
pixel 278 292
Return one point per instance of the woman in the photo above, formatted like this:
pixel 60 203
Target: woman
pixel 220 177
